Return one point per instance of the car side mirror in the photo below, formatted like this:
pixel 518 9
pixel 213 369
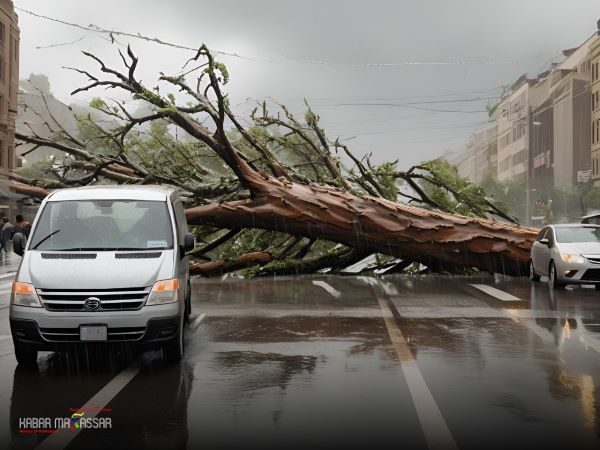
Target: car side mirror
pixel 189 242
pixel 545 241
pixel 18 242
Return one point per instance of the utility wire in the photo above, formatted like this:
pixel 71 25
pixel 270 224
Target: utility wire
pixel 112 33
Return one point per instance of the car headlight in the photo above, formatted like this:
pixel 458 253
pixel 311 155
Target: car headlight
pixel 164 291
pixel 572 258
pixel 23 294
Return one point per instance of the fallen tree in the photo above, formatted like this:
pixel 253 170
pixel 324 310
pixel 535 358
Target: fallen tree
pixel 282 175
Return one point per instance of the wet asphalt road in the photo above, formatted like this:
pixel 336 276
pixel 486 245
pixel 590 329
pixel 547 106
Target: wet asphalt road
pixel 339 362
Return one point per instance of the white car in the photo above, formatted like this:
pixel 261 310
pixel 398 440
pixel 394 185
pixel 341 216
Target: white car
pixel 567 254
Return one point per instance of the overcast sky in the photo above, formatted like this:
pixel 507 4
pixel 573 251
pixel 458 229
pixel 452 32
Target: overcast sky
pixel 366 66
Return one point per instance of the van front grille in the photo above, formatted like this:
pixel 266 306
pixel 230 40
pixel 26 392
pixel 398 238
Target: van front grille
pixel 72 334
pixel 68 300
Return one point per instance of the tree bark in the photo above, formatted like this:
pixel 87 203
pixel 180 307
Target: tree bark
pixel 230 265
pixel 439 240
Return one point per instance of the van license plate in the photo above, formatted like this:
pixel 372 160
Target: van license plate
pixel 93 333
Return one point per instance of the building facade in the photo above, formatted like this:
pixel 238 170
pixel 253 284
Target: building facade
pixel 9 79
pixel 560 139
pixel 481 155
pixel 595 108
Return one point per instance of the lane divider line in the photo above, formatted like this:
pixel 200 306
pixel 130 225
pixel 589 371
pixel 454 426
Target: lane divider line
pixel 497 293
pixel 8 275
pixel 103 397
pixel 196 323
pixel 436 431
pixel 330 289
pixel 62 439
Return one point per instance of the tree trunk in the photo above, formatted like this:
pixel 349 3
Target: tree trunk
pixel 439 240
pixel 443 242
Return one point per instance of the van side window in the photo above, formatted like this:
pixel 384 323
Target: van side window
pixel 182 227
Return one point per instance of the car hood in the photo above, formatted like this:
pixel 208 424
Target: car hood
pixel 583 248
pixel 105 271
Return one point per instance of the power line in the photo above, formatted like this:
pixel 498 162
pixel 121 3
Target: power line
pixel 155 40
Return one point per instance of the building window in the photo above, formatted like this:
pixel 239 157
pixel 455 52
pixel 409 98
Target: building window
pixel 596 131
pixel 594 71
pixel 504 140
pixel 11 157
pixel 1 154
pixel 1 67
pixel 2 31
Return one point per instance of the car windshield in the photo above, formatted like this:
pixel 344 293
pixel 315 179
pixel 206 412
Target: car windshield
pixel 583 234
pixel 103 225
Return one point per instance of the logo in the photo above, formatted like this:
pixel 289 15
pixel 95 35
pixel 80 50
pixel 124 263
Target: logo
pixel 75 418
pixel 92 304
pixel 80 419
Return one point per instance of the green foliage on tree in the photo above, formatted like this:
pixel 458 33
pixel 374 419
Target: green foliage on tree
pixel 458 194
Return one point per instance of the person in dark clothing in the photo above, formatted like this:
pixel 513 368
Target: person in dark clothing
pixel 22 226
pixel 6 232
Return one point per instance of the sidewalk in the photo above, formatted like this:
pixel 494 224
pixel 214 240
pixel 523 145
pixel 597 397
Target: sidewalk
pixel 9 263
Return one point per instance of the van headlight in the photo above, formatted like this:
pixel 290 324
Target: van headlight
pixel 23 294
pixel 162 292
pixel 573 258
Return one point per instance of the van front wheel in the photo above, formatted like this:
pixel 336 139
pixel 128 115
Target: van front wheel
pixel 173 350
pixel 26 354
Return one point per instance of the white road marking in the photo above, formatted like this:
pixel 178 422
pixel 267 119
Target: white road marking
pixel 196 323
pixel 97 402
pixel 8 275
pixel 330 289
pixel 102 398
pixel 497 293
pixel 436 431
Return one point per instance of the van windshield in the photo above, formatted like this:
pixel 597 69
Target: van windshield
pixel 103 225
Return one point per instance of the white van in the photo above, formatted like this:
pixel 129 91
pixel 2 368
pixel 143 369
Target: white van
pixel 103 264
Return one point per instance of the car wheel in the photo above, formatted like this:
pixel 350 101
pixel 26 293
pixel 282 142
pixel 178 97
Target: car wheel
pixel 553 277
pixel 173 350
pixel 26 354
pixel 532 275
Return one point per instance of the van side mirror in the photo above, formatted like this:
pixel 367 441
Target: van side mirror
pixel 545 241
pixel 18 242
pixel 189 242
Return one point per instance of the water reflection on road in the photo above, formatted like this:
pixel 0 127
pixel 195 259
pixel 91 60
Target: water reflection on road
pixel 290 363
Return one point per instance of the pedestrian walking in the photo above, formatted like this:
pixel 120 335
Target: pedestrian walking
pixel 22 226
pixel 6 233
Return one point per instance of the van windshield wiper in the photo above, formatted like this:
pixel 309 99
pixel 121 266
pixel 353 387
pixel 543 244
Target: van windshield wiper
pixel 45 239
